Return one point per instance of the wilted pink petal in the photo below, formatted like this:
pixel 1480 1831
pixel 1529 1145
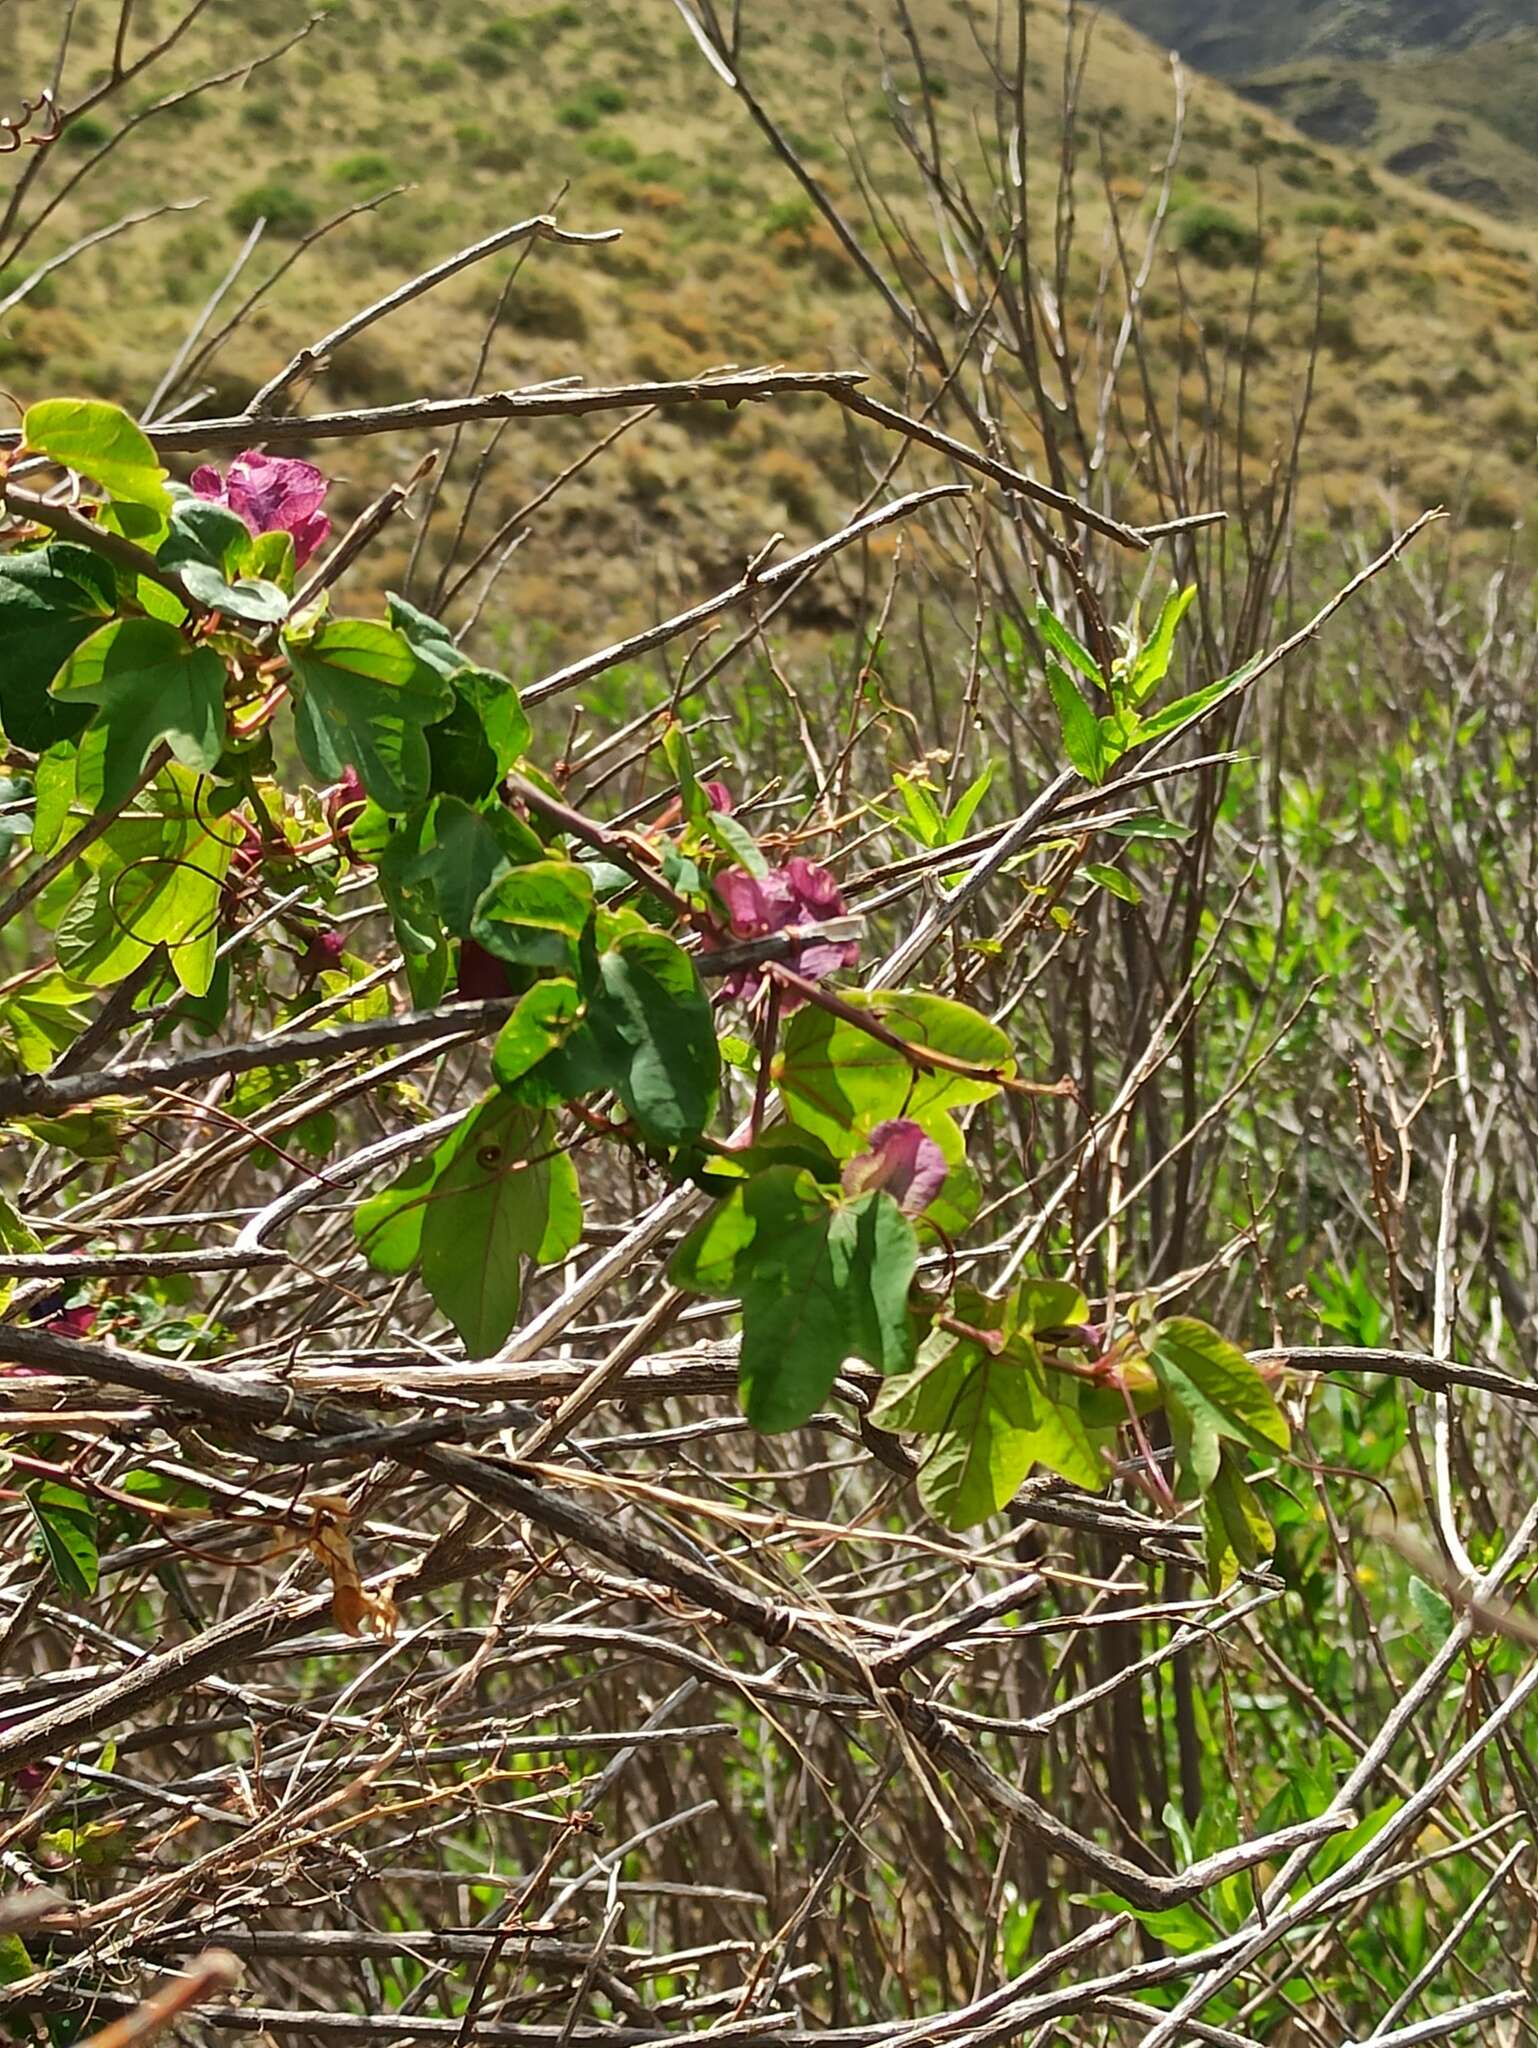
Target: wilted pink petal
pixel 902 1160
pixel 796 894
pixel 719 796
pixel 73 1322
pixel 272 494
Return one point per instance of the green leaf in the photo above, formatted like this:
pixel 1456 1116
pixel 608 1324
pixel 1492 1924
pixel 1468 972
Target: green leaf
pixel 212 536
pixel 429 639
pixel 821 1285
pixel 1113 881
pixel 50 602
pixel 44 1017
pixel 735 839
pixel 156 880
pixel 149 685
pixel 545 1017
pixel 14 1237
pixel 484 734
pixel 248 597
pixel 1152 662
pixel 924 818
pixel 15 1963
pixel 835 1079
pixel 1238 1533
pixel 97 1132
pixel 362 698
pixel 711 1255
pixel 468 851
pixel 66 1534
pixel 1214 1393
pixel 1185 710
pixel 534 915
pixel 960 814
pixel 993 1419
pixel 676 752
pixel 1072 649
pixel 509 1192
pixel 655 1030
pixel 99 441
pixel 1433 1610
pixel 1047 1305
pixel 1083 741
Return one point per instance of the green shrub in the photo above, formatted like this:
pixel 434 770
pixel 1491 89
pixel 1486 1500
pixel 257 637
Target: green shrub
pixel 588 107
pixel 792 216
pixel 1215 236
pixel 285 211
pixel 86 132
pixel 612 149
pixel 368 167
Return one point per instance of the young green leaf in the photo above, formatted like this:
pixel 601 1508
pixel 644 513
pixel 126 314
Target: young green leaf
pixel 1152 662
pixel 1083 738
pixel 1068 645
pixel 101 442
pixel 1214 1394
pixel 1113 881
pixel 993 1420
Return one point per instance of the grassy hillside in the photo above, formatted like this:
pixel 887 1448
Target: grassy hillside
pixel 489 110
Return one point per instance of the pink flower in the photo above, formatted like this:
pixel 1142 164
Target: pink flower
pixel 272 494
pixel 904 1161
pixel 797 894
pixel 718 796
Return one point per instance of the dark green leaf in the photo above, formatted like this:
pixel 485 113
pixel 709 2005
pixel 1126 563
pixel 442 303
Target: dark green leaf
pixel 653 1025
pixel 534 915
pixel 50 602
pixel 1082 739
pixel 66 1534
pixel 362 697
pixel 509 1192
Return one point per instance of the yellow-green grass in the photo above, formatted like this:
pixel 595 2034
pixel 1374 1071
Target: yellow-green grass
pixel 487 109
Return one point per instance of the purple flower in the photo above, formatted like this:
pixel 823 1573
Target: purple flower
pixel 798 893
pixel 905 1162
pixel 272 494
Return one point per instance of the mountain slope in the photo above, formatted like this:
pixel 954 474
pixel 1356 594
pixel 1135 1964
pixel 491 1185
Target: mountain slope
pixel 486 109
pixel 1234 38
pixel 1443 91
